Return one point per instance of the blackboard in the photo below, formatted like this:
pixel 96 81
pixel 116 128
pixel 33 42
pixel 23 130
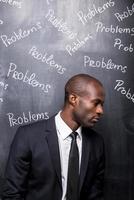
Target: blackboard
pixel 42 44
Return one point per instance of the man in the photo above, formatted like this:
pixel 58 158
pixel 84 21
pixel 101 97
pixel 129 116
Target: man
pixel 40 166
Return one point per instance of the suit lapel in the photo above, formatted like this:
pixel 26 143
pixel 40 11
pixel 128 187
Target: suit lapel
pixel 52 140
pixel 85 157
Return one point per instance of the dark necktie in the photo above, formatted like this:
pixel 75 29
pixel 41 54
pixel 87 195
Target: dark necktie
pixel 73 170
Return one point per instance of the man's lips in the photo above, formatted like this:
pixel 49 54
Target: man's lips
pixel 95 119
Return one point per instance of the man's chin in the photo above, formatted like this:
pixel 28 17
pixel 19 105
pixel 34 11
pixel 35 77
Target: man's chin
pixel 88 125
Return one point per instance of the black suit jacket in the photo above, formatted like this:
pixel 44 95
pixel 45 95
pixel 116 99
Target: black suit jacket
pixel 33 169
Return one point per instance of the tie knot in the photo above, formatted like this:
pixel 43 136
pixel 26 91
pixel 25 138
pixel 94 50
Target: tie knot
pixel 74 135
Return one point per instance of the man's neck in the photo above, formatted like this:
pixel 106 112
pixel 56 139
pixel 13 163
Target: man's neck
pixel 67 118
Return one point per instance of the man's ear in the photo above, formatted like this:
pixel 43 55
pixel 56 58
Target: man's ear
pixel 73 99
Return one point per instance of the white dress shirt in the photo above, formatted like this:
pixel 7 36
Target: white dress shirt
pixel 64 139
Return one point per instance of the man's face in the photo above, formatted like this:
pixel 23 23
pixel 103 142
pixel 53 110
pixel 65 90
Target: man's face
pixel 89 107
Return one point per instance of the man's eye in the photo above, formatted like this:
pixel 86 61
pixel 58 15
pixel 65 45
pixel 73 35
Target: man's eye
pixel 96 103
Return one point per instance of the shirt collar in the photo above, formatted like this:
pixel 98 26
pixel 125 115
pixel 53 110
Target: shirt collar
pixel 63 129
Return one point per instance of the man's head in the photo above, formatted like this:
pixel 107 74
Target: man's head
pixel 84 98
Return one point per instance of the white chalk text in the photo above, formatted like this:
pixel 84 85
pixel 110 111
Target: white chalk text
pixel 92 12
pixel 103 63
pixel 60 24
pixel 127 13
pixel 27 78
pixel 100 27
pixel 19 35
pixel 122 47
pixel 46 58
pixel 123 90
pixel 14 3
pixel 77 44
pixel 26 118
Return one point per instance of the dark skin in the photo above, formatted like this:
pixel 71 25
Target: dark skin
pixel 86 109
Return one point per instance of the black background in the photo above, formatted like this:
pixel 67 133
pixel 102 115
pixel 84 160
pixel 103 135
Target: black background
pixel 20 98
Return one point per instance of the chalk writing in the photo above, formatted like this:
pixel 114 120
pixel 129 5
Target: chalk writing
pixel 118 44
pixel 103 64
pixel 2 72
pixel 123 90
pixel 26 78
pixel 3 85
pixel 26 118
pixel 46 58
pixel 12 3
pixel 78 43
pixel 100 27
pixel 127 13
pixel 19 34
pixel 60 24
pixel 1 22
pixel 1 100
pixel 92 12
pixel 49 1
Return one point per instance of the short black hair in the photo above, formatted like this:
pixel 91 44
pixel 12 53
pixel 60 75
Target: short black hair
pixel 76 84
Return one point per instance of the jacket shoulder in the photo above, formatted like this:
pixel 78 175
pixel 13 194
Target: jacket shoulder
pixel 35 128
pixel 94 139
pixel 92 134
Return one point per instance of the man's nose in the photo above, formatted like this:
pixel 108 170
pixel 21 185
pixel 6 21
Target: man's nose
pixel 100 109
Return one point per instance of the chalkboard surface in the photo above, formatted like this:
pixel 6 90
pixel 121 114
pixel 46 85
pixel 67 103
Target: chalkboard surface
pixel 42 44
